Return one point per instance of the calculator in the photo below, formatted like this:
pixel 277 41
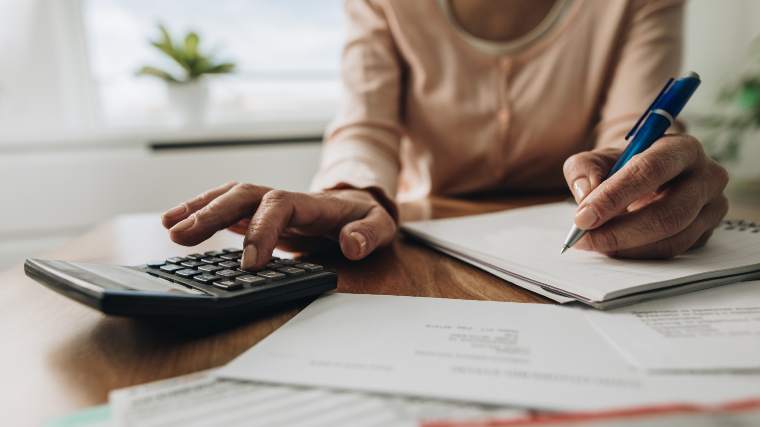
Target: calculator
pixel 209 284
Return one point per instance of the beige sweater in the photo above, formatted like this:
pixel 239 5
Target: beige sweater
pixel 425 111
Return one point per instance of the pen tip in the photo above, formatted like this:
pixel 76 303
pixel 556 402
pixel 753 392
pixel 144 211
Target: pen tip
pixel 564 248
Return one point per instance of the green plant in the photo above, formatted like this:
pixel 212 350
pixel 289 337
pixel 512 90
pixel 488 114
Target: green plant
pixel 192 62
pixel 739 112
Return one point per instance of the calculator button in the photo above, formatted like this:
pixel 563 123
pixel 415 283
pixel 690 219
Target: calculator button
pixel 187 272
pixel 273 275
pixel 285 261
pixel 190 264
pixel 209 268
pixel 274 265
pixel 230 257
pixel 292 271
pixel 175 259
pixel 171 267
pixel 194 257
pixel 228 273
pixel 228 285
pixel 155 264
pixel 229 264
pixel 205 278
pixel 250 280
pixel 232 250
pixel 310 267
pixel 211 260
pixel 213 253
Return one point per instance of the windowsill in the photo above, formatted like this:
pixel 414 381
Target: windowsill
pixel 164 136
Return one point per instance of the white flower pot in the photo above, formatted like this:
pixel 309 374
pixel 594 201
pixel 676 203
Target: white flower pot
pixel 189 101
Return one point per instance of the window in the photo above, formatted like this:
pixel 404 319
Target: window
pixel 287 55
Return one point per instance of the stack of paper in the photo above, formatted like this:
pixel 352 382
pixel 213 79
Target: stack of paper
pixel 386 360
pixel 523 246
pixel 529 355
pixel 203 400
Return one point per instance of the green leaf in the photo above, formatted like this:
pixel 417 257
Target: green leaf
pixel 186 54
pixel 157 72
pixel 191 45
pixel 223 68
pixel 749 97
pixel 166 45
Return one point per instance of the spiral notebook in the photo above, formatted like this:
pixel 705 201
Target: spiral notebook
pixel 522 246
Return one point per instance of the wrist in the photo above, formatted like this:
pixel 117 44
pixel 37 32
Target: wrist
pixel 374 194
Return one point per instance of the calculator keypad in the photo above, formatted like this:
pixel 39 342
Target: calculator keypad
pixel 221 269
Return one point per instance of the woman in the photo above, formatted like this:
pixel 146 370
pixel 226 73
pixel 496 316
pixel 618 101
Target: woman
pixel 459 96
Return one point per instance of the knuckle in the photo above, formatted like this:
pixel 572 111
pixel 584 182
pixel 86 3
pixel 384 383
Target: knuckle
pixel 692 144
pixel 372 235
pixel 643 166
pixel 670 220
pixel 388 222
pixel 608 200
pixel 245 187
pixel 603 241
pixel 207 215
pixel 721 175
pixel 723 204
pixel 275 197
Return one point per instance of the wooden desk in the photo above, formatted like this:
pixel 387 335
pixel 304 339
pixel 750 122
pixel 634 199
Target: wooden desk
pixel 58 356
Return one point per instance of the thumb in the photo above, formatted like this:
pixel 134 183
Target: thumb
pixel 359 238
pixel 586 170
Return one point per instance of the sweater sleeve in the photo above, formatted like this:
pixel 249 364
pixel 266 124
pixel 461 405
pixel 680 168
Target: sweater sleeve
pixel 650 55
pixel 361 146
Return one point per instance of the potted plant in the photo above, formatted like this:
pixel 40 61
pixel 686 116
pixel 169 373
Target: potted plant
pixel 187 87
pixel 732 132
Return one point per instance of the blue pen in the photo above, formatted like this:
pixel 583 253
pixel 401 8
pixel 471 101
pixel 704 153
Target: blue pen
pixel 650 127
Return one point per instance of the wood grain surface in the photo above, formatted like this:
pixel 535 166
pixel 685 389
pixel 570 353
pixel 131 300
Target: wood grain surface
pixel 59 356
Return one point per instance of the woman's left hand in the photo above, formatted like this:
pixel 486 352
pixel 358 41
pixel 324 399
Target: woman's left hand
pixel 664 202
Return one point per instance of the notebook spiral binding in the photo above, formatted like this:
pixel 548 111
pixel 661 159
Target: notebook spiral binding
pixel 740 225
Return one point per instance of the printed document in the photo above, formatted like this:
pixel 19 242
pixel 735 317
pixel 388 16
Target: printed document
pixel 528 355
pixel 203 400
pixel 714 330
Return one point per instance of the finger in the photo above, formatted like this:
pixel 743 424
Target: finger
pixel 644 174
pixel 669 214
pixel 359 238
pixel 240 227
pixel 178 213
pixel 585 171
pixel 222 212
pixel 281 209
pixel 695 235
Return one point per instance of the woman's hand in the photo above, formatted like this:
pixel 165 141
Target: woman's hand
pixel 665 201
pixel 274 218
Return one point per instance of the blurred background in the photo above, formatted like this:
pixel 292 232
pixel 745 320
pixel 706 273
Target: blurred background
pixel 84 138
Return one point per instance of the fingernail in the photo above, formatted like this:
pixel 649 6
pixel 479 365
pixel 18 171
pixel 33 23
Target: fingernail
pixel 185 224
pixel 360 240
pixel 174 212
pixel 581 187
pixel 250 254
pixel 586 218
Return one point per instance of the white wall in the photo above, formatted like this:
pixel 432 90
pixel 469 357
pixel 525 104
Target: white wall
pixel 47 197
pixel 717 36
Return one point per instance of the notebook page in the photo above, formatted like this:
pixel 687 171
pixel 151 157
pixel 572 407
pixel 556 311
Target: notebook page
pixel 527 242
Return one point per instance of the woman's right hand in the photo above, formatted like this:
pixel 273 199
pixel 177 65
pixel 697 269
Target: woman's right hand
pixel 274 218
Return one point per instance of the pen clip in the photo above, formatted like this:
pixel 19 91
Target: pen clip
pixel 649 109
